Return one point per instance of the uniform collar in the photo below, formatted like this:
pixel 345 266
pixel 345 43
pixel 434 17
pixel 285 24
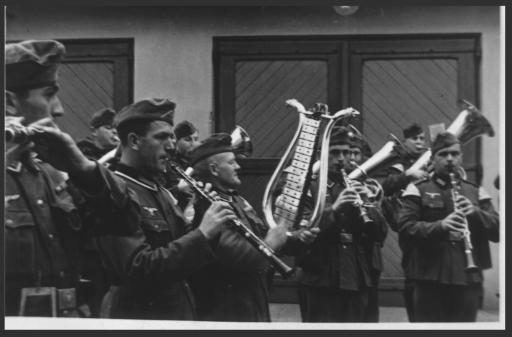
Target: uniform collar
pixel 440 180
pixel 28 160
pixel 226 195
pixel 135 176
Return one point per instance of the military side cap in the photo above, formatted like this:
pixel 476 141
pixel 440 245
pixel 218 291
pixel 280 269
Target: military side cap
pixel 152 109
pixel 340 136
pixel 216 143
pixel 32 64
pixel 443 140
pixel 184 129
pixel 412 130
pixel 102 117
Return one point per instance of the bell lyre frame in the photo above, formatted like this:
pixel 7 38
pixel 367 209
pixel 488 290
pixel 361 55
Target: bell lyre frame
pixel 300 154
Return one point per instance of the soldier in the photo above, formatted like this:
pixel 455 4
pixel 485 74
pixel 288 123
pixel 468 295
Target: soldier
pixel 151 255
pixel 360 152
pixel 42 222
pixel 187 139
pixel 103 137
pixel 396 179
pixel 432 230
pixel 334 275
pixel 234 286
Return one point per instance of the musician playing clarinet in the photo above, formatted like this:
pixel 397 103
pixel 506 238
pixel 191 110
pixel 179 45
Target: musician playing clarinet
pixel 234 287
pixel 447 241
pixel 150 253
pixel 334 275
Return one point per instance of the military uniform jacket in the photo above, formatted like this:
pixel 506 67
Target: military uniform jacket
pixel 431 254
pixel 339 257
pixel 234 286
pixel 90 150
pixel 41 231
pixel 148 253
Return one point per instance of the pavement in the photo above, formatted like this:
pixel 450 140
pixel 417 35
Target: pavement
pixel 290 313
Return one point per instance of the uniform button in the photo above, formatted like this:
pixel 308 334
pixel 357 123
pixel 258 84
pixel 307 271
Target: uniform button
pixel 453 243
pixel 344 246
pixel 40 202
pixel 58 188
pixel 9 222
pixel 51 236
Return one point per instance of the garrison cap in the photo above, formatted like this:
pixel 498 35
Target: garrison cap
pixel 412 130
pixel 152 109
pixel 32 64
pixel 102 117
pixel 362 144
pixel 184 129
pixel 340 136
pixel 216 143
pixel 443 140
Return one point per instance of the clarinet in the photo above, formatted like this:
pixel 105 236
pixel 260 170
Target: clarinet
pixel 363 215
pixel 253 239
pixel 468 246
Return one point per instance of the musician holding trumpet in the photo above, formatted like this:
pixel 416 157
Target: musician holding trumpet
pixel 446 240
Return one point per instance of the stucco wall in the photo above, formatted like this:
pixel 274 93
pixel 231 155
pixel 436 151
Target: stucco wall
pixel 173 50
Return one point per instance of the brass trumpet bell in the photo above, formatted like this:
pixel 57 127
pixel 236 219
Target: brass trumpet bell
pixel 387 154
pixel 469 124
pixel 241 142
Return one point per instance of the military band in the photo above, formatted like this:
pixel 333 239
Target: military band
pixel 135 240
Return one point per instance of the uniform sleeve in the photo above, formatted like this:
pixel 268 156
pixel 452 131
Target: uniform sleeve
pixel 395 180
pixel 379 230
pixel 409 223
pixel 485 217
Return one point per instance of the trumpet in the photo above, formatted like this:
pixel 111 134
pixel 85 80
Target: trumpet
pixel 363 215
pixel 253 239
pixel 468 246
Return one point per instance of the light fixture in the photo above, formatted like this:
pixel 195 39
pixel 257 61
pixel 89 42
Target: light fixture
pixel 345 10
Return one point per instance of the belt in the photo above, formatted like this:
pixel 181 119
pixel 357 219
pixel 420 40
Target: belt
pixel 52 302
pixel 346 238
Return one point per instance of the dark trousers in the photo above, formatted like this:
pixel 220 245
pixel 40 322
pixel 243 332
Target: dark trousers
pixel 408 299
pixel 371 311
pixel 322 304
pixel 434 302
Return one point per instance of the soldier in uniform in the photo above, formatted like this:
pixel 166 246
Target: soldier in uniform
pixel 334 275
pixel 360 151
pixel 432 228
pixel 396 179
pixel 42 222
pixel 152 253
pixel 233 287
pixel 103 137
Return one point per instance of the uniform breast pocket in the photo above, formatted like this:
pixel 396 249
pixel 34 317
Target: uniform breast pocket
pixel 156 230
pixel 20 243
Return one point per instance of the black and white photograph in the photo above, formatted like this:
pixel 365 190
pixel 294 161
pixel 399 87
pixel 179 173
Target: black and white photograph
pixel 254 167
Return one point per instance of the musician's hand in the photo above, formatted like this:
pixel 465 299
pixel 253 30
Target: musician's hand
pixel 307 235
pixel 184 187
pixel 276 237
pixel 215 218
pixel 416 174
pixel 347 198
pixel 453 222
pixel 464 205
